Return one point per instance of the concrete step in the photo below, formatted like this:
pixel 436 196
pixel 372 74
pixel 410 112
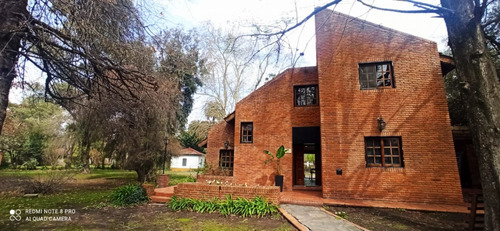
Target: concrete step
pixel 166 192
pixel 159 199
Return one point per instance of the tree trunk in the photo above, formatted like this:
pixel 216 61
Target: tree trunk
pixel 481 87
pixel 13 14
pixel 141 175
pixel 85 153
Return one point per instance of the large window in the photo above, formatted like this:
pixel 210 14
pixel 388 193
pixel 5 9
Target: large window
pixel 246 133
pixel 383 152
pixel 306 95
pixel 226 159
pixel 376 75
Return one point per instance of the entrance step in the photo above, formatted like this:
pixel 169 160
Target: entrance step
pixel 166 192
pixel 162 195
pixel 307 188
pixel 160 199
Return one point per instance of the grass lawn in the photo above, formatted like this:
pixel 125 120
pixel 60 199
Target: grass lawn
pixel 88 195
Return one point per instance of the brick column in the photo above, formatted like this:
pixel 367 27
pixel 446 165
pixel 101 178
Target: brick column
pixel 162 181
pixel 150 189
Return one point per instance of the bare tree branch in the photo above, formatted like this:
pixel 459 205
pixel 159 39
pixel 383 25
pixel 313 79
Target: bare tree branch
pixel 427 8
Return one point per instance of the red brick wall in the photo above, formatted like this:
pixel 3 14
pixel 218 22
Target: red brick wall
pixel 416 110
pixel 217 136
pixel 208 192
pixel 197 191
pixel 271 109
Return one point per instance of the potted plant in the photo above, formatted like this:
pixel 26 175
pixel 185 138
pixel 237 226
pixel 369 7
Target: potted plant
pixel 280 153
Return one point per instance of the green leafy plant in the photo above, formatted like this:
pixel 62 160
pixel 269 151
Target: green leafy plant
pixel 31 164
pixel 129 195
pixel 342 214
pixel 280 153
pixel 240 206
pixel 177 179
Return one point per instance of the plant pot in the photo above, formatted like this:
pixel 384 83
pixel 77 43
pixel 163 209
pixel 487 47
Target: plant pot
pixel 278 181
pixel 150 189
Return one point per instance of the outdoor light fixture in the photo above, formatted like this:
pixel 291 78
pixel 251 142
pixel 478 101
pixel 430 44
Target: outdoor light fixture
pixel 165 140
pixel 381 123
pixel 226 144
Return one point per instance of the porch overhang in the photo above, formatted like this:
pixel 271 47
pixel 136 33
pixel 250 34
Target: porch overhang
pixel 447 63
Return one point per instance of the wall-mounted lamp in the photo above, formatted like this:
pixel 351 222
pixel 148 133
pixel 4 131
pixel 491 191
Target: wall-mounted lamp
pixel 226 144
pixel 381 123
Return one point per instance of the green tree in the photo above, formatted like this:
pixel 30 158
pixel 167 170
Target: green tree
pixel 29 128
pixel 133 131
pixel 79 43
pixel 201 127
pixel 190 139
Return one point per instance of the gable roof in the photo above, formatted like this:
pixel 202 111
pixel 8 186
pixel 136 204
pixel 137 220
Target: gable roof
pixel 190 151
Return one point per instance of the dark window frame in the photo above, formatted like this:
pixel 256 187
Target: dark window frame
pixel 366 77
pixel 246 135
pixel 184 162
pixel 384 147
pixel 296 95
pixel 226 159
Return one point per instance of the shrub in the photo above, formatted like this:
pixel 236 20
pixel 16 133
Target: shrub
pixel 242 207
pixel 4 164
pixel 177 179
pixel 129 195
pixel 48 182
pixel 31 164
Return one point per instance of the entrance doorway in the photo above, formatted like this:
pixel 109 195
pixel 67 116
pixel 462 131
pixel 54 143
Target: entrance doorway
pixel 306 157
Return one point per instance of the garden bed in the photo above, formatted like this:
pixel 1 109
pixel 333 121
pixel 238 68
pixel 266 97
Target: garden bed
pixel 401 219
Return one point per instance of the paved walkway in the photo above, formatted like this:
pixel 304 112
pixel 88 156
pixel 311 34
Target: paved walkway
pixel 313 218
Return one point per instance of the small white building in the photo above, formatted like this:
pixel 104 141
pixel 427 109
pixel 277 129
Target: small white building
pixel 187 159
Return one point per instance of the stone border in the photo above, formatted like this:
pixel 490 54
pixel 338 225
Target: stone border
pixel 292 220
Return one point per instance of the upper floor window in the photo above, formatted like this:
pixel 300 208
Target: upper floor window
pixel 306 95
pixel 246 133
pixel 383 152
pixel 376 75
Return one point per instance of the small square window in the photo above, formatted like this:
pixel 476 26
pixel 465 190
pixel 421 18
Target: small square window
pixel 246 133
pixel 383 152
pixel 306 95
pixel 376 75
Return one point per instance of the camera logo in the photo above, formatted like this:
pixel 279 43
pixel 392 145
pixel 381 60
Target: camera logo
pixel 15 215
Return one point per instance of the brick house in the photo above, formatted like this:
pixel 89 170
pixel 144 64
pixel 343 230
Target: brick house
pixel 330 112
